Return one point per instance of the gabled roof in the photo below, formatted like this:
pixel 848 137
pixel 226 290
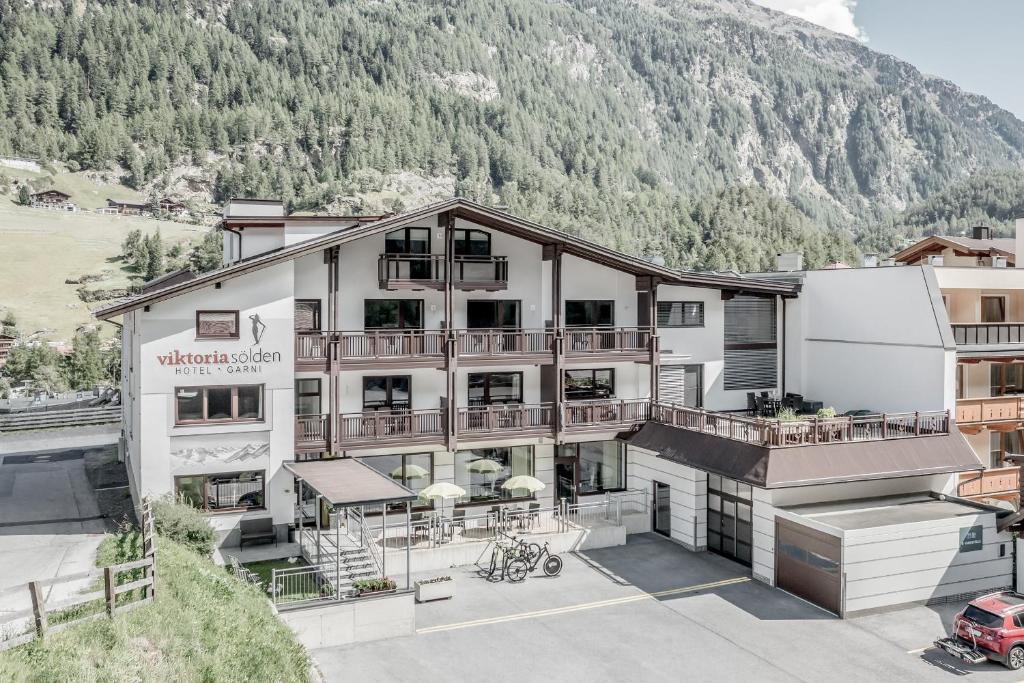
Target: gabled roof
pixel 62 194
pixel 968 246
pixel 477 213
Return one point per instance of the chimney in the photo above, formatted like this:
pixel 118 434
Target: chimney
pixel 981 232
pixel 789 261
pixel 870 261
pixel 998 261
pixel 250 208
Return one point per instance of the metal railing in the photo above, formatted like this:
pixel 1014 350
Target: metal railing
pixel 511 417
pixel 356 526
pixel 295 585
pixel 605 412
pixel 587 340
pixel 988 333
pixel 411 269
pixel 505 341
pixel 368 345
pixel 377 425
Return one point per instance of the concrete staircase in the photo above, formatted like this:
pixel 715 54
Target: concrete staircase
pixel 341 567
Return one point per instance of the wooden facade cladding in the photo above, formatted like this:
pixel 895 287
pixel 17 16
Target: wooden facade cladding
pixel 1001 483
pixel 980 412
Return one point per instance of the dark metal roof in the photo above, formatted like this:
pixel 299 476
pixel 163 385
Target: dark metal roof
pixel 347 482
pixel 482 215
pixel 808 465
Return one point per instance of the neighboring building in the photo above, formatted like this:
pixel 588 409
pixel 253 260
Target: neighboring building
pixel 980 249
pixel 171 206
pixel 52 199
pixel 457 343
pixel 6 344
pixel 128 207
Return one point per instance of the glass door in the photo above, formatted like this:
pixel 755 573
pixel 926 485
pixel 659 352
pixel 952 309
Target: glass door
pixel 730 530
pixel 565 480
pixel 662 509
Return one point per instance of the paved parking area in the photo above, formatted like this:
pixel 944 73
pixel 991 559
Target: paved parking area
pixel 650 611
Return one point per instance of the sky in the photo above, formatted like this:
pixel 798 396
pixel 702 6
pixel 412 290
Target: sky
pixel 974 43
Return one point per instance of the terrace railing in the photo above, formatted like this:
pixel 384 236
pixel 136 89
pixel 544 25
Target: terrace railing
pixel 605 412
pixel 989 409
pixel 410 271
pixel 598 340
pixel 369 345
pixel 374 425
pixel 311 429
pixel 493 342
pixel 506 418
pixel 971 334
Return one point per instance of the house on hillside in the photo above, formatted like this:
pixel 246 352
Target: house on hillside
pixel 128 207
pixel 171 206
pixel 52 199
pixel 980 249
pixel 6 344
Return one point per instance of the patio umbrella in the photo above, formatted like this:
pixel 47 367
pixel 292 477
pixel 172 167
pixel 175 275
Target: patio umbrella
pixel 409 472
pixel 524 481
pixel 486 466
pixel 443 490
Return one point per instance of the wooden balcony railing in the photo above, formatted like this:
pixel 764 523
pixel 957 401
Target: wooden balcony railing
pixel 993 482
pixel 606 413
pixel 509 418
pixel 597 340
pixel 503 342
pixel 311 431
pixel 417 271
pixel 991 409
pixel 369 345
pixel 812 431
pixel 391 425
pixel 969 334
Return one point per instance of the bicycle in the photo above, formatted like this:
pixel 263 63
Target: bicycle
pixel 530 556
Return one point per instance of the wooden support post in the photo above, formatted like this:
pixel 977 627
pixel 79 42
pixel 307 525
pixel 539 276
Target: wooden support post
pixel 39 610
pixel 108 590
pixel 559 342
pixel 447 221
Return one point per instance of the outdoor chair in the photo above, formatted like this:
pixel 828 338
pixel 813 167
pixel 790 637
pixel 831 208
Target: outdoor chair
pixel 759 406
pixel 751 404
pixel 257 531
pixel 534 514
pixel 419 526
pixel 458 521
pixel 494 516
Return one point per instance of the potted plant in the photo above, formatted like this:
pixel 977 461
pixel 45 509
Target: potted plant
pixel 437 588
pixel 376 585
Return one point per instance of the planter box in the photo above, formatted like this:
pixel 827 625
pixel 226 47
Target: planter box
pixel 440 590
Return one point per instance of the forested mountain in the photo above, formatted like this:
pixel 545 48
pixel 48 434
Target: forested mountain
pixel 688 128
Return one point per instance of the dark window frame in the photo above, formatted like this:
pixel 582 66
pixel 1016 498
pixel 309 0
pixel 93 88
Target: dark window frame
pixel 1002 308
pixel 594 305
pixel 499 501
pixel 407 240
pixel 206 477
pixel 401 316
pixel 572 450
pixel 389 379
pixel 487 388
pixel 499 306
pixel 466 241
pixel 199 333
pixel 234 419
pixel 307 394
pixel 593 383
pixel 682 305
pixel 317 314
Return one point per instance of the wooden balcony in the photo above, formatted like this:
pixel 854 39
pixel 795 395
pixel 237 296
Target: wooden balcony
pixel 380 427
pixel 1002 483
pixel 504 421
pixel 427 271
pixel 374 348
pixel 312 433
pixel 985 334
pixel 480 347
pixel 607 343
pixel 605 414
pixel 808 432
pixel 978 411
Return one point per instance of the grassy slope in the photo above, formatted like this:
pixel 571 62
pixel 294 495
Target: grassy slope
pixel 39 249
pixel 205 625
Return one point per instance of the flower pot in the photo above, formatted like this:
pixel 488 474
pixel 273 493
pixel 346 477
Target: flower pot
pixel 438 590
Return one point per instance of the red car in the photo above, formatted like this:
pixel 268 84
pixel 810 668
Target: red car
pixel 991 627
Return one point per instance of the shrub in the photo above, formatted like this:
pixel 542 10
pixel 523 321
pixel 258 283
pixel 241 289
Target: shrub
pixel 827 412
pixel 181 522
pixel 787 415
pixel 373 585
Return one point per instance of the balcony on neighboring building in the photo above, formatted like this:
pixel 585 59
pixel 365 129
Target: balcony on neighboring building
pixel 427 271
pixel 607 343
pixel 371 348
pixel 988 334
pixel 506 420
pixel 1000 483
pixel 605 414
pixel 502 346
pixel 979 411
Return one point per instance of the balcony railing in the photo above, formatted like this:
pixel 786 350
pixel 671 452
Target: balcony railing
pixel 369 346
pixel 991 409
pixel 311 431
pixel 391 425
pixel 598 340
pixel 994 482
pixel 812 431
pixel 514 418
pixel 505 342
pixel 418 271
pixel 980 334
pixel 606 413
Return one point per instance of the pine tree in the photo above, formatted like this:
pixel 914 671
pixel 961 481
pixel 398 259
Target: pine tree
pixel 24 195
pixel 155 256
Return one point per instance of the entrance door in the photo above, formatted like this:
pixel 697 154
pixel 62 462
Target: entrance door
pixel 730 530
pixel 565 480
pixel 662 509
pixel 808 563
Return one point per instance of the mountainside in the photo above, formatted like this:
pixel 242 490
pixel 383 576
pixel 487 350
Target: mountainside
pixel 624 121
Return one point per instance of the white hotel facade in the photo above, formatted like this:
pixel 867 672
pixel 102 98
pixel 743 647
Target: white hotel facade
pixel 424 342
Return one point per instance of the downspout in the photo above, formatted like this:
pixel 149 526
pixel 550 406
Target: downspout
pixel 783 388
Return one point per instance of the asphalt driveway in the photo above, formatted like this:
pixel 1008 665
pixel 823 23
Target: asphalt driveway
pixel 650 611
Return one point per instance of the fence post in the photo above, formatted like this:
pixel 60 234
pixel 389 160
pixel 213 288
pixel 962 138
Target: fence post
pixel 618 511
pixel 108 590
pixel 149 547
pixel 39 610
pixel 607 505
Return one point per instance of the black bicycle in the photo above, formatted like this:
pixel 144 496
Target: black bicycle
pixel 530 556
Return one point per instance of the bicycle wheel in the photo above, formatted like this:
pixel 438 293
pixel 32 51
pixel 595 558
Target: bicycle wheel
pixel 517 570
pixel 552 565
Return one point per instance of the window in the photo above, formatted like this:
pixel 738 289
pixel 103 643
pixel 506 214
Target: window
pixel 217 324
pixel 588 384
pixel 983 618
pixel 491 315
pixel 307 314
pixel 471 242
pixel 602 465
pixel 589 313
pixel 751 353
pixel 199 405
pixel 489 388
pixel 406 314
pixel 307 397
pixel 482 471
pixel 1007 379
pixel 219 492
pixel 413 470
pixel 680 314
pixel 392 393
pixel 993 309
pixel 407 241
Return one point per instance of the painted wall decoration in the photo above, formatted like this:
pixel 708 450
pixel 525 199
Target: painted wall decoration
pixel 223 454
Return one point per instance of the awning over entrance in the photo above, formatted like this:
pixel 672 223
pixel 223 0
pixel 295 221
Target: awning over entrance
pixel 347 482
pixel 780 467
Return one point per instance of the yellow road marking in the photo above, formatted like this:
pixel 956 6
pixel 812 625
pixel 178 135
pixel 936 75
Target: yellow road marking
pixel 920 650
pixel 584 606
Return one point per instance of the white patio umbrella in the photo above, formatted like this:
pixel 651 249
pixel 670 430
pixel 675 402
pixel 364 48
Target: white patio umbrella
pixel 486 466
pixel 443 490
pixel 524 481
pixel 409 472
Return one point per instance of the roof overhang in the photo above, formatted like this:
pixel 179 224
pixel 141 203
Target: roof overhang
pixel 482 215
pixel 346 482
pixel 997 354
pixel 792 466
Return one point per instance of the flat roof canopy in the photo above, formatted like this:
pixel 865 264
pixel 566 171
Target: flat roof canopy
pixel 886 511
pixel 346 482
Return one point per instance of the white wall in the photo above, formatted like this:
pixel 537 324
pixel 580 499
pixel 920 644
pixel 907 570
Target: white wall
pixel 688 494
pixel 260 240
pixel 585 280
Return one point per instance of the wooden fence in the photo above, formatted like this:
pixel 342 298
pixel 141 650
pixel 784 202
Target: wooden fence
pixel 44 611
pixel 59 418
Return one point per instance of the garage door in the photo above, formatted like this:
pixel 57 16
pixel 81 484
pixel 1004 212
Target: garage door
pixel 808 563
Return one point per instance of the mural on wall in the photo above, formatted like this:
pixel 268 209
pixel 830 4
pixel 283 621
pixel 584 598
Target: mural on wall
pixel 223 454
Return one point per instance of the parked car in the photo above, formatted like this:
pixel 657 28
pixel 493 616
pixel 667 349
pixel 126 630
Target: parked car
pixel 990 627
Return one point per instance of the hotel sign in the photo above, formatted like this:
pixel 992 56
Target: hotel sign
pixel 245 362
pixel 971 538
